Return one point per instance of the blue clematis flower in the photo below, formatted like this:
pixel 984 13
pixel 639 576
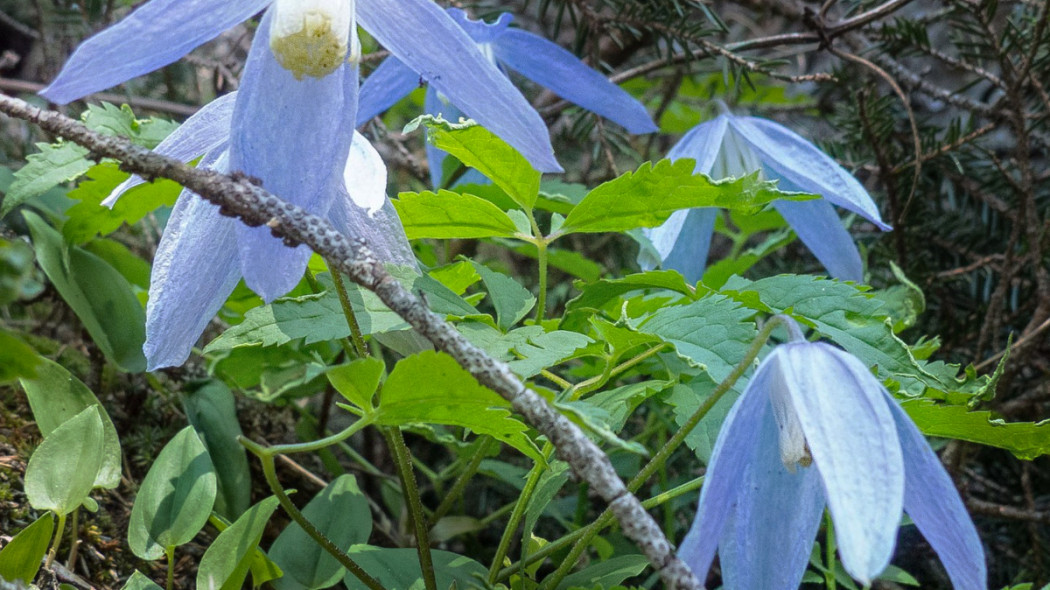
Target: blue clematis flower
pixel 844 443
pixel 733 146
pixel 532 56
pixel 196 266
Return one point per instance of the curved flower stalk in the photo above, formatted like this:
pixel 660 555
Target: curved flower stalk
pixel 733 146
pixel 196 266
pixel 534 57
pixel 844 443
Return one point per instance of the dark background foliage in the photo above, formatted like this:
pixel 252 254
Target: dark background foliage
pixel 940 107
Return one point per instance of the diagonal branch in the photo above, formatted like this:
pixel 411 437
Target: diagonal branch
pixel 237 196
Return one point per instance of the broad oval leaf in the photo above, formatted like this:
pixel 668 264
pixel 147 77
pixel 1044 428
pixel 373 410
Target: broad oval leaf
pixel 341 512
pixel 63 468
pixel 139 581
pixel 226 562
pixel 398 569
pixel 210 410
pixel 175 499
pixel 55 396
pixel 20 559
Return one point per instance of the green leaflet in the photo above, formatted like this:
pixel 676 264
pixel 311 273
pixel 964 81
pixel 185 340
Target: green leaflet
pixel 451 215
pixel 528 349
pixel 712 333
pixel 512 301
pixel 210 409
pixel 55 164
pixel 594 296
pixel 432 388
pixel 20 559
pixel 1026 440
pixel 226 563
pixel 478 148
pixel 649 195
pixel 63 468
pixel 89 217
pixel 398 569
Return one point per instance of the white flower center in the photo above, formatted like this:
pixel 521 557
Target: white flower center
pixel 793 448
pixel 314 37
pixel 735 159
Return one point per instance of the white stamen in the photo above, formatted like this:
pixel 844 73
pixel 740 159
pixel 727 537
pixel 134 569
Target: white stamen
pixel 314 37
pixel 793 448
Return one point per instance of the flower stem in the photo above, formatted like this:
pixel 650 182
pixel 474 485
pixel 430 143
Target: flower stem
pixel 270 473
pixel 672 444
pixel 415 507
pixel 348 311
pixel 58 540
pixel 515 517
pixel 169 552
pixel 74 543
pixel 588 385
pixel 465 475
pixel 829 547
pixel 541 257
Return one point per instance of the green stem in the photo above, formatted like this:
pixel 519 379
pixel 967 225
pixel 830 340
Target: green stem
pixel 588 385
pixel 541 256
pixel 316 287
pixel 270 473
pixel 316 445
pixel 169 552
pixel 672 444
pixel 829 546
pixel 600 523
pixel 415 506
pixel 464 478
pixel 73 540
pixel 58 540
pixel 519 512
pixel 351 319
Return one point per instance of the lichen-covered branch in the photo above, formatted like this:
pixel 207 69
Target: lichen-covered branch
pixel 238 196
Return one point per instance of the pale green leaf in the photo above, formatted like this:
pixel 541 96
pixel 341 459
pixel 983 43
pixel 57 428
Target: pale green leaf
pixel 63 468
pixel 20 559
pixel 226 562
pixel 210 409
pixel 512 301
pixel 358 380
pixel 451 215
pixel 398 569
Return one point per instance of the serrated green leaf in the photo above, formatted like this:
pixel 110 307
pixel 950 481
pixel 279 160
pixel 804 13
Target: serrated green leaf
pixel 54 165
pixel 712 333
pixel 358 380
pixel 210 409
pixel 431 388
pixel 97 293
pixel 512 301
pixel 527 350
pixel 458 276
pixel 594 296
pixel 1026 440
pixel 175 498
pixel 63 468
pixel 686 399
pixel 855 320
pixel 451 215
pixel 89 217
pixel 341 513
pixel 56 396
pixel 478 148
pixel 398 569
pixel 110 119
pixel 225 564
pixel 20 559
pixel 649 195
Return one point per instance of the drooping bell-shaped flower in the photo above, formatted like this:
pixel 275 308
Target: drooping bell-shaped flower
pixel 814 429
pixel 734 146
pixel 509 48
pixel 197 264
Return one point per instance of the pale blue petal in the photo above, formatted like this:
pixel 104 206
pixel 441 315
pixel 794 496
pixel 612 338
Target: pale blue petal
pixel 733 450
pixel 479 30
pixel 553 67
pixel 427 40
pixel 820 229
pixel 851 434
pixel 931 500
pixel 206 130
pixel 702 143
pixel 389 83
pixel 291 134
pixel 382 232
pixel 794 158
pixel 769 539
pixel 154 35
pixel 689 251
pixel 194 271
